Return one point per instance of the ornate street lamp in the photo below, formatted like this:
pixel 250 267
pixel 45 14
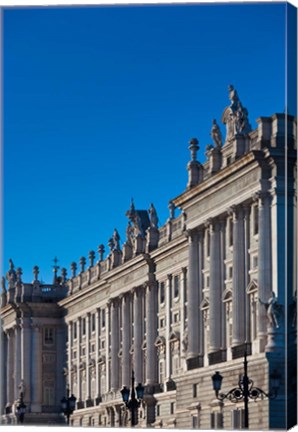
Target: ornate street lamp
pixel 21 409
pixel 134 402
pixel 245 390
pixel 68 405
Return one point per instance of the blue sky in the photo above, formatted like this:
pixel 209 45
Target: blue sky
pixel 100 103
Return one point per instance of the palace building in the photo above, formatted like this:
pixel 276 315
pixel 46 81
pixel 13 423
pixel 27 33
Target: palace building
pixel 176 303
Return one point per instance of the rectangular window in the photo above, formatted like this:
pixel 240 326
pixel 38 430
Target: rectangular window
pixel 255 220
pixel 237 419
pixel 176 317
pixel 195 390
pixel 161 322
pixel 176 286
pixel 103 318
pixel 162 292
pixel 216 420
pixel 230 272
pixel 172 408
pixel 83 326
pixel 48 336
pixel 208 243
pixel 157 410
pixel 93 322
pixel 194 422
pixel 231 232
pixel 75 330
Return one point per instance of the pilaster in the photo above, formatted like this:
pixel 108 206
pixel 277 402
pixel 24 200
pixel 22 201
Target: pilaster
pixel 36 377
pixel 114 345
pixel 151 333
pixel 138 335
pixel 126 338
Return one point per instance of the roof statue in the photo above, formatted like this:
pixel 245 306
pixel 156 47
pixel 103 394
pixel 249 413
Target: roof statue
pixel 116 240
pixel 153 216
pixel 216 134
pixel 129 234
pixel 235 116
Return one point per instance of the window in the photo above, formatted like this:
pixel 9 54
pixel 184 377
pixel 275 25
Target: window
pixel 176 286
pixel 230 272
pixel 49 395
pixel 103 344
pixel 237 419
pixel 157 410
pixel 172 407
pixel 83 326
pixel 93 322
pixel 161 322
pixel 162 292
pixel 229 160
pixel 255 220
pixel 208 243
pixel 161 371
pixel 195 390
pixel 255 262
pixel 176 317
pixel 74 355
pixel 231 232
pixel 48 336
pixel 103 318
pixel 75 330
pixel 216 420
pixel 195 422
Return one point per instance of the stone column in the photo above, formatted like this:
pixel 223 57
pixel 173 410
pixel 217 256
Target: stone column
pixel 10 364
pixel 97 345
pixel 126 340
pixel 79 384
pixel 239 294
pixel 61 362
pixel 151 332
pixel 3 377
pixel 17 360
pixel 26 352
pixel 193 290
pixel 70 346
pixel 108 306
pixel 36 377
pixel 215 294
pixel 264 262
pixel 138 335
pixel 168 298
pixel 247 209
pixel 183 284
pixel 114 345
pixel 87 342
pixel 222 228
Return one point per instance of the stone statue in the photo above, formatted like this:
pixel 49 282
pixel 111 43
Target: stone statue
pixel 185 342
pixel 129 234
pixel 153 216
pixel 236 116
pixel 216 134
pixel 273 310
pixel 22 389
pixel 138 226
pixel 172 209
pixel 233 96
pixel 116 240
pixel 11 264
pixel 111 244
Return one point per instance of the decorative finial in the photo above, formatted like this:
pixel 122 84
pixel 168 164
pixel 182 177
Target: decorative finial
pixel 193 147
pixel 82 263
pixel 132 211
pixel 55 269
pixel 35 272
pixel 111 244
pixel 73 267
pixel 91 257
pixel 11 264
pixel 101 251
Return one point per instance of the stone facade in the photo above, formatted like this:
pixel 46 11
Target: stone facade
pixel 179 302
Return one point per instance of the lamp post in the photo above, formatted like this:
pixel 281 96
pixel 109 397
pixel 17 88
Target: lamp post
pixel 68 405
pixel 134 402
pixel 245 390
pixel 20 409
